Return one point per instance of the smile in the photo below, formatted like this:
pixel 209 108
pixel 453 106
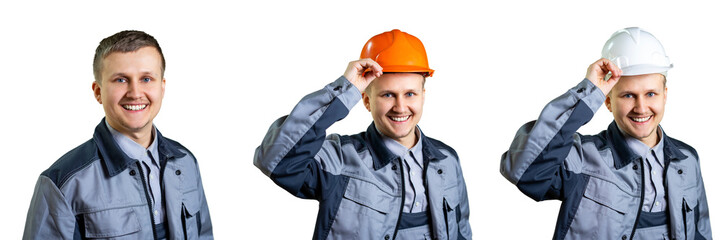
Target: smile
pixel 135 107
pixel 400 119
pixel 641 120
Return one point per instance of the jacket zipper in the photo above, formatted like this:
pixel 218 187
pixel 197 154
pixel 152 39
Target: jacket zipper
pixel 403 199
pixel 640 205
pixel 147 197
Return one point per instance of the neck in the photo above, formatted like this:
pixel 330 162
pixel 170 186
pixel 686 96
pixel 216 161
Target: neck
pixel 143 139
pixel 143 136
pixel 652 139
pixel 409 141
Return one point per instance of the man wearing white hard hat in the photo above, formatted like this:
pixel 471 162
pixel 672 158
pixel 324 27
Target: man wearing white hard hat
pixel 631 181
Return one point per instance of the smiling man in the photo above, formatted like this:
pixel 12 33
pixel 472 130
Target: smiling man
pixel 390 182
pixel 631 181
pixel 128 181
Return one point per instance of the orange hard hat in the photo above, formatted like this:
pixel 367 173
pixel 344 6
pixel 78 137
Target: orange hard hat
pixel 397 51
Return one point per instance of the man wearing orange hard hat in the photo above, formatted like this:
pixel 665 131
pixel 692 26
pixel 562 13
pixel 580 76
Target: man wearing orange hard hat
pixel 389 182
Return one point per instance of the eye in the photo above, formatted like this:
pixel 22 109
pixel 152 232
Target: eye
pixel 650 94
pixel 120 80
pixel 386 95
pixel 147 79
pixel 410 94
pixel 627 96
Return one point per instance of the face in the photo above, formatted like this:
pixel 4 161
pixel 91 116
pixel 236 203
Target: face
pixel 131 90
pixel 637 104
pixel 395 100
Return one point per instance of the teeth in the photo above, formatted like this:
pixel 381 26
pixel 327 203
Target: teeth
pixel 641 119
pixel 135 107
pixel 400 119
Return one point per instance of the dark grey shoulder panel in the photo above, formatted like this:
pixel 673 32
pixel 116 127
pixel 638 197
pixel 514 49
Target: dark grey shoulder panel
pixel 683 145
pixel 71 162
pixel 600 140
pixel 442 145
pixel 358 141
pixel 174 145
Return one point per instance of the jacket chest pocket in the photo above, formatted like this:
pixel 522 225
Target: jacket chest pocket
pixel 363 212
pixel 603 211
pixel 118 223
pixel 190 218
pixel 190 213
pixel 451 199
pixel 688 211
pixel 451 214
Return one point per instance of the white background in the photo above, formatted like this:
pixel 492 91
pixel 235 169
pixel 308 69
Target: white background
pixel 233 68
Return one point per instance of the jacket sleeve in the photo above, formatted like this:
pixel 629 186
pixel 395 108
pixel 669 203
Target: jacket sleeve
pixel 295 153
pixel 205 230
pixel 50 215
pixel 703 223
pixel 538 161
pixel 464 226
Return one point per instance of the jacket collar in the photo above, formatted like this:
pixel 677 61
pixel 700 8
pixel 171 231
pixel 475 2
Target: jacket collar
pixel 116 160
pixel 382 155
pixel 623 155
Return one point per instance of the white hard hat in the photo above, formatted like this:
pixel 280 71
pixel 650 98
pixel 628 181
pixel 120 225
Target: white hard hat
pixel 636 52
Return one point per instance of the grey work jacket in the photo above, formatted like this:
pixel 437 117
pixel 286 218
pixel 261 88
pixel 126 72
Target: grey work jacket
pixel 95 191
pixel 598 177
pixel 356 179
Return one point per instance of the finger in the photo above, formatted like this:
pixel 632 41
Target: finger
pixel 370 67
pixel 375 68
pixel 615 71
pixel 596 71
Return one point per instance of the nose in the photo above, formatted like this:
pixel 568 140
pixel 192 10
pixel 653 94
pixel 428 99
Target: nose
pixel 399 105
pixel 134 90
pixel 640 105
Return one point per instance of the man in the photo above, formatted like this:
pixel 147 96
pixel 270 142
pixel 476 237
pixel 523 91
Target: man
pixel 390 182
pixel 128 181
pixel 631 181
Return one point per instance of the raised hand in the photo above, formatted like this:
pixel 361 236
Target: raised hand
pixel 597 72
pixel 362 72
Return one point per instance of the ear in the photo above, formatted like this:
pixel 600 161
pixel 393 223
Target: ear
pixel 96 92
pixel 665 94
pixel 366 101
pixel 162 86
pixel 608 103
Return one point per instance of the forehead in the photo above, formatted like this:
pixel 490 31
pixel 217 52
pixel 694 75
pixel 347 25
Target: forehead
pixel 145 59
pixel 640 83
pixel 397 82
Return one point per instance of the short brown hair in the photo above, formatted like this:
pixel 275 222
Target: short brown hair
pixel 125 41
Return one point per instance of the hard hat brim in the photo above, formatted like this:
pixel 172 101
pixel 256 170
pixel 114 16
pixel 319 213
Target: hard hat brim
pixel 408 69
pixel 644 69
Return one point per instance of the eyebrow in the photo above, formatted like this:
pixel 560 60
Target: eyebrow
pixel 123 74
pixel 642 91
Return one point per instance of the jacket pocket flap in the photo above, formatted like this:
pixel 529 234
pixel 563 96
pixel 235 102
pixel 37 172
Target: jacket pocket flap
pixel 111 223
pixel 451 197
pixel 190 207
pixel 607 194
pixel 368 194
pixel 690 203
